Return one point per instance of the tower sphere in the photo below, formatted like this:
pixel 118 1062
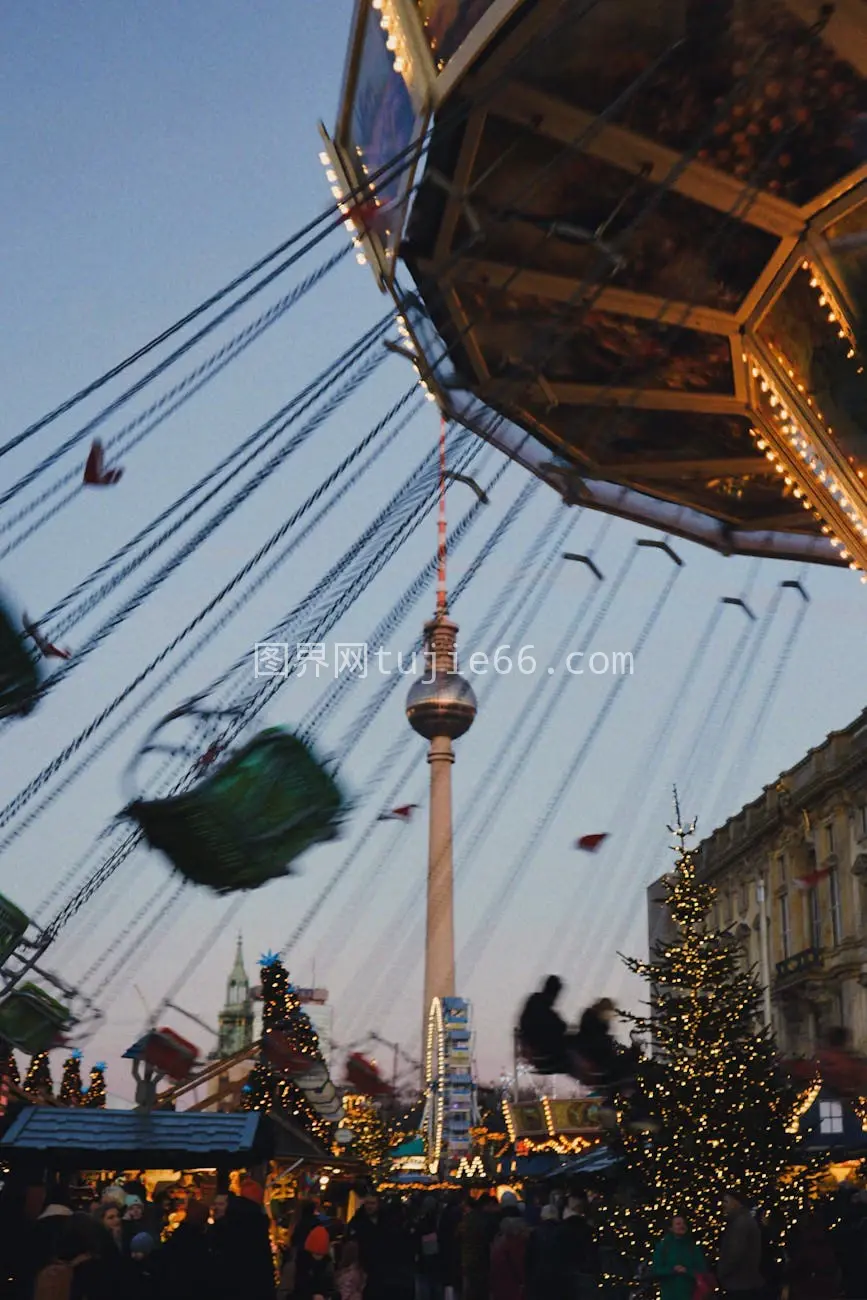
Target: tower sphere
pixel 442 706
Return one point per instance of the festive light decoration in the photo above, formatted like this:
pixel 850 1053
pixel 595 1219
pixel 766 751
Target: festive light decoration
pixel 713 1084
pixel 810 473
pixel 96 1095
pixel 372 1137
pixel 9 1066
pixel 37 1081
pixel 70 1084
pixel 282 1010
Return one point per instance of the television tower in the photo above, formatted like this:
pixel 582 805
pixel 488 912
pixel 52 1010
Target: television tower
pixel 441 707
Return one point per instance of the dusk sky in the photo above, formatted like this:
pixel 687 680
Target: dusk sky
pixel 149 153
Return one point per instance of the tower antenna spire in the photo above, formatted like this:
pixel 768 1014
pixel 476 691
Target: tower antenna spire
pixel 442 599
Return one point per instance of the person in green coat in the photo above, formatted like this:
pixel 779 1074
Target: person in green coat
pixel 678 1262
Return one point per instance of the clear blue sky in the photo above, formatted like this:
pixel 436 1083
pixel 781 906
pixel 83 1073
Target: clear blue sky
pixel 149 152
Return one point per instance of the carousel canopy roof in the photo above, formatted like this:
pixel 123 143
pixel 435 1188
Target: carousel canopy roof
pixel 666 297
pixel 82 1138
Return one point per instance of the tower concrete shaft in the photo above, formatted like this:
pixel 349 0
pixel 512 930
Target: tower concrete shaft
pixel 439 958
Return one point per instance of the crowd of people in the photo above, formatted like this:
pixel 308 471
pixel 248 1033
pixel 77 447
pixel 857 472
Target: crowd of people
pixel 115 1251
pixel 453 1247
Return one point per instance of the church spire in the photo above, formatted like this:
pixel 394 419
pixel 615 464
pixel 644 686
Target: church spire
pixel 236 1018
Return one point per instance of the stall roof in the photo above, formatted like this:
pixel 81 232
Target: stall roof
pixel 84 1138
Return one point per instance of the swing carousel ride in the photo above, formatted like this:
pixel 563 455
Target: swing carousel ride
pixel 635 235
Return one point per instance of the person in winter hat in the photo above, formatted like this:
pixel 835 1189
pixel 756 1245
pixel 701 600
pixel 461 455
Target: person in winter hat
pixel 320 1280
pixel 142 1279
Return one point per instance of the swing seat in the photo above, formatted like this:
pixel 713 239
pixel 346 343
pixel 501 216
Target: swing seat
pixel 13 927
pixel 172 1055
pixel 247 822
pixel 19 674
pixel 31 1020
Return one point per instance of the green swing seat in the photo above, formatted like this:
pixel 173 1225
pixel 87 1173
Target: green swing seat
pixel 19 675
pixel 31 1020
pixel 248 822
pixel 13 927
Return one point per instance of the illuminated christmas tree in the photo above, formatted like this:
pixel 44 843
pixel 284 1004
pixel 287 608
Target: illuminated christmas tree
pixel 38 1081
pixel 282 1012
pixel 727 1115
pixel 9 1066
pixel 70 1084
pixel 372 1136
pixel 95 1095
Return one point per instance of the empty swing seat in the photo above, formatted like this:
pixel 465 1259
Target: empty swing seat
pixel 13 927
pixel 250 820
pixel 31 1020
pixel 19 675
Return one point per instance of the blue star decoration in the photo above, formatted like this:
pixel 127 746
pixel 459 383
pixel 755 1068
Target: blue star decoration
pixel 100 1065
pixel 76 1055
pixel 246 1088
pixel 269 958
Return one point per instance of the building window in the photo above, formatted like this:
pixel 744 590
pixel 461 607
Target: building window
pixel 745 897
pixel 785 927
pixel 862 822
pixel 829 839
pixel 830 1117
pixel 836 915
pixel 783 869
pixel 815 918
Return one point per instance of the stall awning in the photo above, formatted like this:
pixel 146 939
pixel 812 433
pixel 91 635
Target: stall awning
pixel 95 1139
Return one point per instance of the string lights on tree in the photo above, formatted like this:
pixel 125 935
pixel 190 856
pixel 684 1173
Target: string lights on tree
pixel 70 1084
pixel 9 1066
pixel 713 1084
pixel 37 1081
pixel 282 1012
pixel 372 1137
pixel 95 1096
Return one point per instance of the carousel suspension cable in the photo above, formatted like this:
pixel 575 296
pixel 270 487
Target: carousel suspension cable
pixel 151 418
pixel 241 496
pixel 538 585
pixel 235 463
pixel 493 786
pixel 72 748
pixel 321 711
pixel 455 537
pixel 158 931
pixel 752 640
pixel 400 745
pixel 704 739
pixel 328 218
pixel 740 765
pixel 122 935
pixel 87 430
pixel 371 709
pixel 481 936
pixel 367 571
pixel 423 580
pixel 345 585
pixel 639 791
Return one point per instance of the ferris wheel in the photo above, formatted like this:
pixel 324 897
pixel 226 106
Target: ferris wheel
pixel 451 1096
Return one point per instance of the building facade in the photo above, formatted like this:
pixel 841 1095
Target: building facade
pixel 804 843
